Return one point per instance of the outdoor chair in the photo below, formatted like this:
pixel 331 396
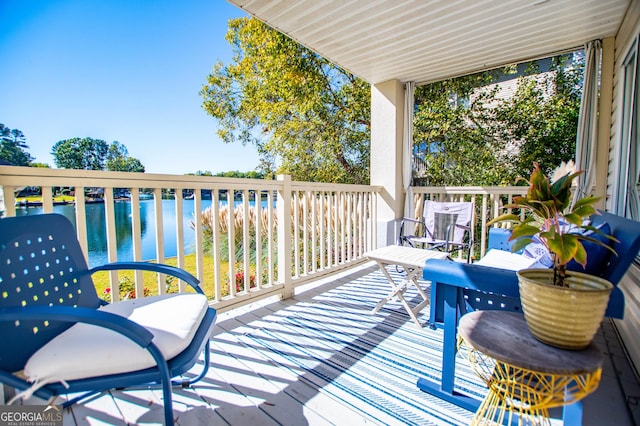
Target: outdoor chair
pixel 445 226
pixel 458 288
pixel 61 338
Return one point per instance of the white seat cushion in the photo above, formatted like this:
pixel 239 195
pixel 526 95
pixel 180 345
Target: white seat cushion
pixel 506 260
pixel 87 351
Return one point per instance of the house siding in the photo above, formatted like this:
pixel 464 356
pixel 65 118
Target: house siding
pixel 629 327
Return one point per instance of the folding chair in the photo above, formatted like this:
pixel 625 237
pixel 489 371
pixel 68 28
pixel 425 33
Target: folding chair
pixel 445 226
pixel 65 339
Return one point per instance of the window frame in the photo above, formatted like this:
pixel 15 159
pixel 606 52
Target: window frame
pixel 626 201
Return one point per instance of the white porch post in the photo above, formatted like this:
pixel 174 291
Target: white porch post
pixel 283 211
pixel 387 118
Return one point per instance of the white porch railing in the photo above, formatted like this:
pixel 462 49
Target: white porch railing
pixel 488 202
pixel 279 234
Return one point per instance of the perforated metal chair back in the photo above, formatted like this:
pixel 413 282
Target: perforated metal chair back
pixel 41 264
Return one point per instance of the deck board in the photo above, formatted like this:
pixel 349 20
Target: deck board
pixel 320 358
pixel 285 395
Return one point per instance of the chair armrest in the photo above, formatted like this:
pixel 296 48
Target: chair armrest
pixel 153 267
pixel 137 333
pixel 401 236
pixel 475 277
pixel 408 219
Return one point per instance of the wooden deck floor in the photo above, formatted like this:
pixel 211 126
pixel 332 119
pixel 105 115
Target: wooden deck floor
pixel 321 358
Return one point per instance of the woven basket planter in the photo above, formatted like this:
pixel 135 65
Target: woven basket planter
pixel 564 317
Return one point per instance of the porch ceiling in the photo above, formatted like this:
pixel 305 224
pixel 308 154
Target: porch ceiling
pixel 426 41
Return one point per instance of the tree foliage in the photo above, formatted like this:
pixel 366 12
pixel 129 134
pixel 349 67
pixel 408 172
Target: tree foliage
pixel 13 147
pixel 94 154
pixel 245 175
pixel 232 174
pixel 118 159
pixel 542 118
pixel 466 134
pixel 307 117
pixel 449 131
pixel 80 153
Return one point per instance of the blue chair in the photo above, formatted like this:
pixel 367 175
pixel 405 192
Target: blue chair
pixel 457 288
pixel 65 339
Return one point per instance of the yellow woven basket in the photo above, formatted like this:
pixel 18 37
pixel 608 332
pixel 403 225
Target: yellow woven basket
pixel 564 317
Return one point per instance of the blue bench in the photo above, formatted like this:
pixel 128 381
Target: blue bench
pixel 458 288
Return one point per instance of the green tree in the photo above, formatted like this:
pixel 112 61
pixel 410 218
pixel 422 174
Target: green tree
pixel 118 159
pixel 306 116
pixel 237 174
pixel 80 153
pixel 13 147
pixel 450 133
pixel 466 135
pixel 541 120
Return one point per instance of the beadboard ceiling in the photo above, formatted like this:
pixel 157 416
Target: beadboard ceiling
pixel 429 40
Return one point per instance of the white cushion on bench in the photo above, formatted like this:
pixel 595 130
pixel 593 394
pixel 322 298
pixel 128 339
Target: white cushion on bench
pixel 86 350
pixel 506 260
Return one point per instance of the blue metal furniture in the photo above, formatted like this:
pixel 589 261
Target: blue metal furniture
pixel 46 289
pixel 457 288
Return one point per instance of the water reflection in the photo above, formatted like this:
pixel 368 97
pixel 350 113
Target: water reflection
pixel 97 233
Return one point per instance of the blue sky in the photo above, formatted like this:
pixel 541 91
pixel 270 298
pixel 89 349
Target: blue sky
pixel 118 70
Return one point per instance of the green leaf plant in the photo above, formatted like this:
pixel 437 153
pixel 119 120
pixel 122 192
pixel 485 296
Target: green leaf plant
pixel 549 217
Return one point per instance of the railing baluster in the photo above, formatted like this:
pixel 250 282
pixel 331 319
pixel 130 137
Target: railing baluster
pixel 81 220
pixel 159 230
pixel 258 234
pixel 47 199
pixel 483 242
pixel 136 238
pixel 9 194
pixel 110 224
pixel 246 241
pixel 271 235
pixel 321 228
pixel 314 230
pixel 349 225
pixel 337 230
pixel 216 236
pixel 178 202
pixel 231 238
pixel 296 234
pixel 305 231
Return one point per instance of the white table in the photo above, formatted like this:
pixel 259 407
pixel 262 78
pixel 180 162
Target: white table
pixel 412 261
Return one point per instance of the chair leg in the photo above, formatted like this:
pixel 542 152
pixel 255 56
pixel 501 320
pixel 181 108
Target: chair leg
pixel 166 383
pixel 168 401
pixel 165 379
pixel 188 382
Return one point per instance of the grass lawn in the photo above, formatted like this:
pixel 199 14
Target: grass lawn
pixel 101 279
pixel 38 199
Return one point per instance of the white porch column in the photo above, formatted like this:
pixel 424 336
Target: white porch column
pixel 387 117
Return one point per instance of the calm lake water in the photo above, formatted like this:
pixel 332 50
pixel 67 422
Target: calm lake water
pixel 97 234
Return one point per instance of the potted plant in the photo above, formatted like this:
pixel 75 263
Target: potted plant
pixel 562 308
